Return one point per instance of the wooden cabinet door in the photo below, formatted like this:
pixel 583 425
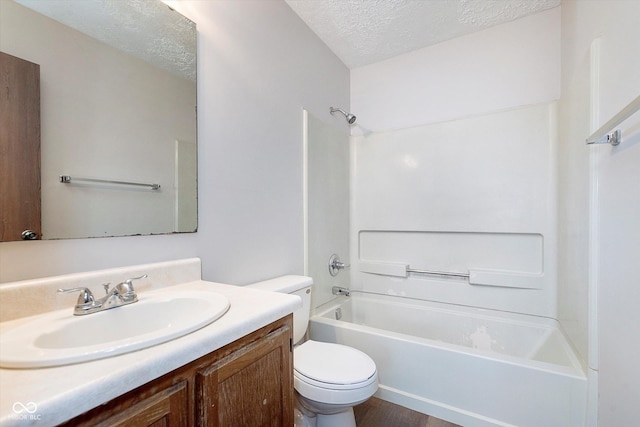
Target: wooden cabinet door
pixel 248 382
pixel 167 408
pixel 252 387
pixel 19 148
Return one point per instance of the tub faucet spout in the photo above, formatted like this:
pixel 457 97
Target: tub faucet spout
pixel 338 290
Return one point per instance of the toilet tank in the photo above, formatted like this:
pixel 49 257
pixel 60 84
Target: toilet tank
pixel 294 285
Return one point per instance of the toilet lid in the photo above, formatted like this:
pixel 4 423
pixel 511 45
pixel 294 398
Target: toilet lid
pixel 332 363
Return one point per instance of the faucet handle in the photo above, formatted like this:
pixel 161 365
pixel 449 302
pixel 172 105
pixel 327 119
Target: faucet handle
pixel 128 283
pixel 84 299
pixel 126 287
pixel 335 265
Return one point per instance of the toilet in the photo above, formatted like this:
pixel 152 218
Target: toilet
pixel 329 379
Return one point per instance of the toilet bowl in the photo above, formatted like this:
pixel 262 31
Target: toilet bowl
pixel 328 378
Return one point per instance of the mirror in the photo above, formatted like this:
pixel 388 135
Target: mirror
pixel 117 105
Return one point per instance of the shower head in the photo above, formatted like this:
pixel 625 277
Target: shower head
pixel 351 119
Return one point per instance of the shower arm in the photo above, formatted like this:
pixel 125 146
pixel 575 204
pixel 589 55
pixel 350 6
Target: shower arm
pixel 351 119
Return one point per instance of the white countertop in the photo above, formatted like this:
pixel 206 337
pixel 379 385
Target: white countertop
pixel 55 395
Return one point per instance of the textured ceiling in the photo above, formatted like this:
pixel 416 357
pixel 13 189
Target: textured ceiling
pixel 147 29
pixel 361 32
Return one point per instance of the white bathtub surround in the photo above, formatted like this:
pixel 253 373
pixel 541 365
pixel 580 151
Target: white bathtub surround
pixel 474 367
pixel 472 196
pixel 454 170
pixel 61 393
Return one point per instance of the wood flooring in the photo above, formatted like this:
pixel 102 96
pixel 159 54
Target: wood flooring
pixel 380 413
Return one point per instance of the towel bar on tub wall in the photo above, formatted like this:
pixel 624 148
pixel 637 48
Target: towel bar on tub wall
pixel 507 279
pixel 603 136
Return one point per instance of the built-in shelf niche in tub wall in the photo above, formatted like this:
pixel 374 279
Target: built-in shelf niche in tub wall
pixel 493 270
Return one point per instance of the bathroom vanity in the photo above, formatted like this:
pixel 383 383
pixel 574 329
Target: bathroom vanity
pixel 248 382
pixel 236 370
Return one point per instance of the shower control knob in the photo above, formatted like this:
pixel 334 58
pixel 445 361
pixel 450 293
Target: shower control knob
pixel 335 265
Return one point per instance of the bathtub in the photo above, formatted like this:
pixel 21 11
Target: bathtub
pixel 466 365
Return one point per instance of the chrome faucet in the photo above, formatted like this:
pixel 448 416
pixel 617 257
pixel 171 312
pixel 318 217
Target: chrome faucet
pixel 121 294
pixel 339 290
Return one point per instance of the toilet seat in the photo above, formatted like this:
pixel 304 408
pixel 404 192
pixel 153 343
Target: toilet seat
pixel 334 364
pixel 333 373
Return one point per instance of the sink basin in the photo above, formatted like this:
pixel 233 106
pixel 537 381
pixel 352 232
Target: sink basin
pixel 60 338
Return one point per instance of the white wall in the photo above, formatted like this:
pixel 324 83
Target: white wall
pixel 514 64
pixel 258 66
pixel 599 192
pixel 265 65
pixel 476 192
